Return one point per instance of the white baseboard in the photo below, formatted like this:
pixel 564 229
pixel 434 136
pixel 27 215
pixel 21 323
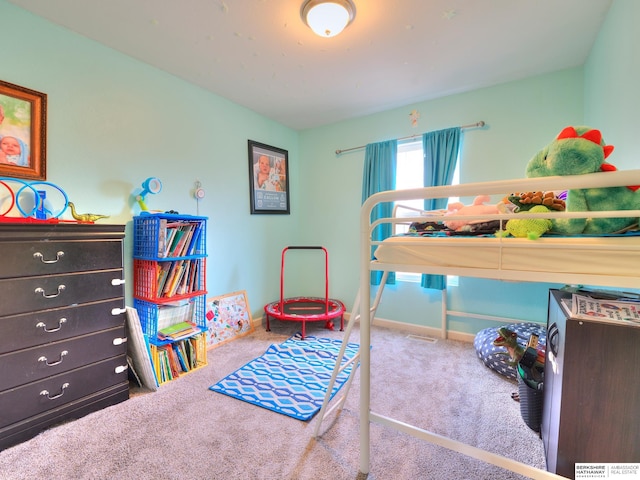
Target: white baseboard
pixel 422 330
pixel 256 321
pixel 410 328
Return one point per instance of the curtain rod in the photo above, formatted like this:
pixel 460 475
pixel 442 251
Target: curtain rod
pixel 479 124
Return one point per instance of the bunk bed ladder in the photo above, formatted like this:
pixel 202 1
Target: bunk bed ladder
pixel 354 361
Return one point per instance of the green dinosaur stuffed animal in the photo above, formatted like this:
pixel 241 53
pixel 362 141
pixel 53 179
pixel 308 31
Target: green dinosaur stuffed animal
pixel 531 228
pixel 576 151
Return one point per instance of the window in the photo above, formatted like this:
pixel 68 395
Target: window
pixel 409 174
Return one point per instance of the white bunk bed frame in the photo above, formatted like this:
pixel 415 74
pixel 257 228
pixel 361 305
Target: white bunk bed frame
pixel 363 302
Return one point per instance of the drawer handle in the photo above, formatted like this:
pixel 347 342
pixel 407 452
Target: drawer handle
pixel 117 311
pixel 40 290
pixel 121 368
pixel 39 255
pixel 119 341
pixel 45 393
pixel 43 326
pixel 117 282
pixel 57 362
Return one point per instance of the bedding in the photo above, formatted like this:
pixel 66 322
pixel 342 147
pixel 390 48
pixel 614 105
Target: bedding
pixel 506 257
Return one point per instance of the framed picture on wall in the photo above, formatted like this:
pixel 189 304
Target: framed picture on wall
pixel 23 132
pixel 268 179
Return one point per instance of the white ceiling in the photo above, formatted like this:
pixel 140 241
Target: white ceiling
pixel 259 54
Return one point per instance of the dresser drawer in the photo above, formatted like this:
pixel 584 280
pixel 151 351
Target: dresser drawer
pixel 31 364
pixel 34 398
pixel 32 426
pixel 22 295
pixel 24 259
pixel 31 329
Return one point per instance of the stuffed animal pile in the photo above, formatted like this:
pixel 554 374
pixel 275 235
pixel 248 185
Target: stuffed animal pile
pixel 576 151
pixel 531 202
pixel 479 207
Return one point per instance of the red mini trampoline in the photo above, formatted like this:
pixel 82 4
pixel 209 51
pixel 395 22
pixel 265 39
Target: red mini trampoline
pixel 306 309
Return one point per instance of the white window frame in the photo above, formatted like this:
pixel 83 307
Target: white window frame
pixel 410 152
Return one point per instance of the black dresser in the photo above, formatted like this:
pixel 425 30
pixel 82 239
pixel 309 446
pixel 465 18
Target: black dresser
pixel 62 321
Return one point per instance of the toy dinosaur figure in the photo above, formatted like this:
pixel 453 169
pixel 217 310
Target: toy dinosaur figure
pixel 509 340
pixel 85 217
pixel 577 151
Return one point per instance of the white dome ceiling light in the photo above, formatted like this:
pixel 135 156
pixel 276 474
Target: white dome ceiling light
pixel 327 18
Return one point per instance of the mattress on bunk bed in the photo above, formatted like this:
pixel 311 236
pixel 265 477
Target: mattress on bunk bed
pixel 606 255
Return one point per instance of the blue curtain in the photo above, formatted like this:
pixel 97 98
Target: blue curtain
pixel 440 156
pixel 380 175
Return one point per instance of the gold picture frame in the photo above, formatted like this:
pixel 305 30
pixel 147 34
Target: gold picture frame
pixel 23 132
pixel 228 317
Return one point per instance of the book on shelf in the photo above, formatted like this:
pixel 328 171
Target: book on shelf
pixel 193 285
pixel 178 268
pixel 175 239
pixel 170 361
pixel 173 233
pixel 174 312
pixel 178 348
pixel 163 368
pixel 178 277
pixel 178 238
pixel 190 352
pixel 195 238
pixel 163 271
pixel 173 368
pixel 183 244
pixel 183 284
pixel 181 235
pixel 175 269
pixel 169 234
pixel 162 237
pixel 178 331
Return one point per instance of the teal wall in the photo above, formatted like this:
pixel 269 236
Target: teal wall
pixel 114 121
pixel 521 117
pixel 612 100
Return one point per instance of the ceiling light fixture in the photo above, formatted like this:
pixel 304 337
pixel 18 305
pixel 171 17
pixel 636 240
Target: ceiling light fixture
pixel 327 18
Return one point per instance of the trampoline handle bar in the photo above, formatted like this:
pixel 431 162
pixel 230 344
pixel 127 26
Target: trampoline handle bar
pixel 326 273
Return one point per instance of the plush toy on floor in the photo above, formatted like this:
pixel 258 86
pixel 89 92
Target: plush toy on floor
pixel 576 151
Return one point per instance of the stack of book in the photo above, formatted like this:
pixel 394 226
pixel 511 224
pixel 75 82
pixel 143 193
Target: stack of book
pixel 178 331
pixel 178 239
pixel 170 361
pixel 177 278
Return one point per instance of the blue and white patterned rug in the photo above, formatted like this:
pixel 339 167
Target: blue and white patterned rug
pixel 290 378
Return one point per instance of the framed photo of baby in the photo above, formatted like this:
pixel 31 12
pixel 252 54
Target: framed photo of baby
pixel 268 179
pixel 23 132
